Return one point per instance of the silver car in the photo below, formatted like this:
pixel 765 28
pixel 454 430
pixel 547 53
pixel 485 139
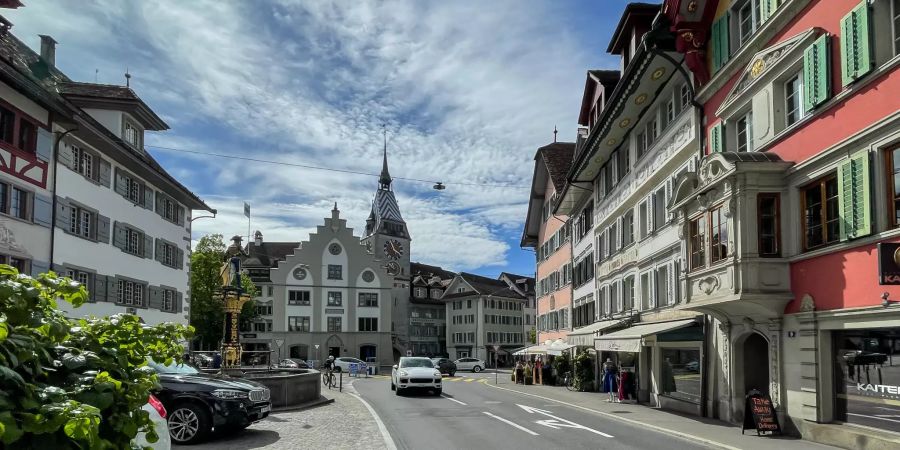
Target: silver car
pixel 415 373
pixel 474 364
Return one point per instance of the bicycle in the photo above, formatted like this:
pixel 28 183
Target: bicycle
pixel 328 379
pixel 569 381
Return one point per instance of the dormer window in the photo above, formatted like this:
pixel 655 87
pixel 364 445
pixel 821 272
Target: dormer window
pixel 133 135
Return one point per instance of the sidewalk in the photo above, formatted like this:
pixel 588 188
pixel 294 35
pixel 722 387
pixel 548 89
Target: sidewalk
pixel 712 432
pixel 345 423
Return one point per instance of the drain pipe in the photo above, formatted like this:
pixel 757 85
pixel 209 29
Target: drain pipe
pixel 53 192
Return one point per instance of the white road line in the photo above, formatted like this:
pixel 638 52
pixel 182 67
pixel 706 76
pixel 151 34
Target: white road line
pixel 453 400
pixel 512 423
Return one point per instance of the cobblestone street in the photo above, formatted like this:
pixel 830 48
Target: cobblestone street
pixel 346 423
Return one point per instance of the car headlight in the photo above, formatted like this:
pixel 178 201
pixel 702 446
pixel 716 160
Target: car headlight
pixel 229 394
pixel 403 373
pixel 437 373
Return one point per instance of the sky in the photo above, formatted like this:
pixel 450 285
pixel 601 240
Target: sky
pixel 466 90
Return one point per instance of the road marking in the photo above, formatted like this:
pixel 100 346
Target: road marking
pixel 469 380
pixel 512 423
pixel 453 400
pixel 683 435
pixel 557 422
pixel 385 434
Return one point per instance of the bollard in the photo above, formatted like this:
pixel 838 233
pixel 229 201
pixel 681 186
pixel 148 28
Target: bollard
pixel 341 386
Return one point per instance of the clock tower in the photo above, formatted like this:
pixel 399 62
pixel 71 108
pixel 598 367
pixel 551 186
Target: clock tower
pixel 387 237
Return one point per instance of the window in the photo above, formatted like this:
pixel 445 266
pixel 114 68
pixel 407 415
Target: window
pixel 685 97
pixel 744 133
pixel 17 130
pixel 419 292
pixel 767 210
pixel 335 272
pixel 646 291
pixel 84 278
pixel 133 134
pixel 668 113
pixel 793 100
pixel 7 125
pixel 130 293
pixel 613 236
pixel 335 298
pixel 368 324
pixel 641 143
pixel 651 129
pixel 698 242
pixel 81 222
pixel 821 221
pixel 468 304
pixel 134 241
pixel 718 239
pixel 642 219
pixel 659 208
pixel 368 299
pixel 170 210
pixel 623 164
pixel 895 24
pixel 628 293
pixel 300 298
pixel 83 162
pixel 298 323
pixel 264 309
pixel 747 20
pixel 628 228
pixel 135 190
pixel 168 300
pixel 613 298
pixel 270 291
pixel 18 206
pixel 334 324
pixel 662 285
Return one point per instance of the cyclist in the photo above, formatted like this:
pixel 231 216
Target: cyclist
pixel 329 364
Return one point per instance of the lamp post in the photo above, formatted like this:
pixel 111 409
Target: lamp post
pixel 496 369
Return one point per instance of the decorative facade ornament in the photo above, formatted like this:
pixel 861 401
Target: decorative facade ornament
pixel 8 240
pixel 807 304
pixel 658 73
pixel 709 284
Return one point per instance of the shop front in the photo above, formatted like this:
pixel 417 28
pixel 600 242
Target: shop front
pixel 867 377
pixel 664 359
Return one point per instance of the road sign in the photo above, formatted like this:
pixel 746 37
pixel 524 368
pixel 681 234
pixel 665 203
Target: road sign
pixel 409 353
pixel 279 342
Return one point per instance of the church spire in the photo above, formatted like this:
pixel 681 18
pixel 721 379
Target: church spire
pixel 384 181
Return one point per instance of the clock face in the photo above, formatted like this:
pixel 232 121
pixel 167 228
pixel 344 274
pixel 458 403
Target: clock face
pixel 334 249
pixel 393 268
pixel 300 273
pixel 393 249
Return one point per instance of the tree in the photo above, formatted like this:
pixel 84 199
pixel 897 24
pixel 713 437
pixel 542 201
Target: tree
pixel 74 384
pixel 532 336
pixel 207 313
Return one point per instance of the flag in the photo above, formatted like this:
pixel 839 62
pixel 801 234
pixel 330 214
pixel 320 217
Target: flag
pixel 247 209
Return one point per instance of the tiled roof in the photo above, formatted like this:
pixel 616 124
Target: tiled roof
pixel 488 286
pixel 97 90
pixel 558 159
pixel 429 271
pixel 268 254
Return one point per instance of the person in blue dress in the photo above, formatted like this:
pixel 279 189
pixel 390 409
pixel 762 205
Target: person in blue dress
pixel 610 380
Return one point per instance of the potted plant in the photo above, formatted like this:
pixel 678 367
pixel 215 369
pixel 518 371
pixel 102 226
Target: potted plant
pixel 528 375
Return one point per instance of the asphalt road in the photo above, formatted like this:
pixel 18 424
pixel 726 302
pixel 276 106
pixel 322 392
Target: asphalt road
pixel 473 415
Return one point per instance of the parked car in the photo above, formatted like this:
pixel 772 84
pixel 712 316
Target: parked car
pixel 414 372
pixel 693 366
pixel 445 366
pixel 474 364
pixel 293 363
pixel 197 402
pixel 342 364
pixel 158 416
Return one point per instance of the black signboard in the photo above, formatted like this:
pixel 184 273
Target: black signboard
pixel 760 414
pixel 889 263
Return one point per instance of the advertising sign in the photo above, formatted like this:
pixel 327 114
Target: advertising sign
pixel 889 263
pixel 760 414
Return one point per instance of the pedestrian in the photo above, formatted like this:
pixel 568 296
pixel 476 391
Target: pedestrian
pixel 520 372
pixel 217 360
pixel 538 376
pixel 610 381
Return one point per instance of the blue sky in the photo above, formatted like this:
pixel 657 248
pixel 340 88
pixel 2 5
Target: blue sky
pixel 468 90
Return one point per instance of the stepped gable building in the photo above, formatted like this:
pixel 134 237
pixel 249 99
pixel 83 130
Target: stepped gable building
pixel 549 235
pixel 481 313
pixel 524 286
pixel 427 315
pixel 80 194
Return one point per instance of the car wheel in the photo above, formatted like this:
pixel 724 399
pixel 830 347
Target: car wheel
pixel 188 423
pixel 397 391
pixel 476 369
pixel 437 392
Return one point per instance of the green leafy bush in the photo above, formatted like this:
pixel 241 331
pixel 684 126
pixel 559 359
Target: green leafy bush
pixel 73 383
pixel 584 371
pixel 562 364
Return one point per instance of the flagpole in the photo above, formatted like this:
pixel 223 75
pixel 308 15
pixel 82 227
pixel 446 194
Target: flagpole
pixel 247 213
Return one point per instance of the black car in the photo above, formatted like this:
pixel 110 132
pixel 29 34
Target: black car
pixel 445 366
pixel 198 402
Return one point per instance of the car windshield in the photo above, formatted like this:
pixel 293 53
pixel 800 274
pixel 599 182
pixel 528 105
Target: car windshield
pixel 172 368
pixel 416 362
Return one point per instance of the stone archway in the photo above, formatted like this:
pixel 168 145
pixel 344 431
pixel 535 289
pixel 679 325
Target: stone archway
pixel 752 371
pixel 334 345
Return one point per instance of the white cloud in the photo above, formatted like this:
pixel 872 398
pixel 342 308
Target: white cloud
pixel 468 90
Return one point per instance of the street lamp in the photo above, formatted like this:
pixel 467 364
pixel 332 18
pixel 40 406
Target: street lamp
pixel 317 353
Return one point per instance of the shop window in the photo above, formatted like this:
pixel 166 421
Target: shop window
pixel 680 374
pixel 698 242
pixel 769 224
pixel 718 238
pixel 865 376
pixel 820 213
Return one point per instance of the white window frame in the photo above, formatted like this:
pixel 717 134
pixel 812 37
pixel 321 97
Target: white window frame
pixel 797 96
pixel 746 130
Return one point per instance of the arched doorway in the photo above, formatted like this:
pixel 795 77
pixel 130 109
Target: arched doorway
pixel 367 351
pixel 756 363
pixel 300 351
pixel 333 346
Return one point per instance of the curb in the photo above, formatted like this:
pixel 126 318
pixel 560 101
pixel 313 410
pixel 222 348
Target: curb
pixel 689 437
pixel 302 406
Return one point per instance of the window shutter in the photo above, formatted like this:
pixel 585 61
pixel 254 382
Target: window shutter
pixel 43 210
pixel 39 267
pixel 670 285
pixel 159 249
pixel 853 196
pixel 651 291
pixel 99 293
pixel 720 47
pixel 856 47
pixel 155 301
pixel 180 218
pixel 103 229
pixel 148 198
pixel 104 173
pixel 120 237
pixel 63 214
pixel 148 246
pixel 715 138
pixel 112 289
pixel 816 73
pixel 44 144
pixel 668 199
pixel 121 184
pixel 179 298
pixel 65 156
pixel 650 199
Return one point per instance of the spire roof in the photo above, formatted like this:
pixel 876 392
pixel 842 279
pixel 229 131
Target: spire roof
pixel 385 179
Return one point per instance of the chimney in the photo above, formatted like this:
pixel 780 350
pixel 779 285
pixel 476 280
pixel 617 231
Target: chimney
pixel 257 238
pixel 48 50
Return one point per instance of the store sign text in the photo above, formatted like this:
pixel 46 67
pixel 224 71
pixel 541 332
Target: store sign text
pixel 878 388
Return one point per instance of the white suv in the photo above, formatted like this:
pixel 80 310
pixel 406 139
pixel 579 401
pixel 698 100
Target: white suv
pixel 415 373
pixel 474 364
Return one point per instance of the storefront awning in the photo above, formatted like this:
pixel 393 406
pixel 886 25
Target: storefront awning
pixel 532 350
pixel 584 336
pixel 558 346
pixel 631 339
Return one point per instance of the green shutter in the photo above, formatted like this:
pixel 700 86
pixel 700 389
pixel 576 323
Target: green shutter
pixel 853 196
pixel 719 41
pixel 856 51
pixel 715 138
pixel 816 73
pixel 767 9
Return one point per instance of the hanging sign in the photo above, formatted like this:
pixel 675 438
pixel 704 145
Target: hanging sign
pixel 889 263
pixel 760 414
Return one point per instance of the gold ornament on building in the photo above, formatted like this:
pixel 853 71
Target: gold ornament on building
pixel 624 123
pixel 658 73
pixel 758 66
pixel 641 98
pixel 611 142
